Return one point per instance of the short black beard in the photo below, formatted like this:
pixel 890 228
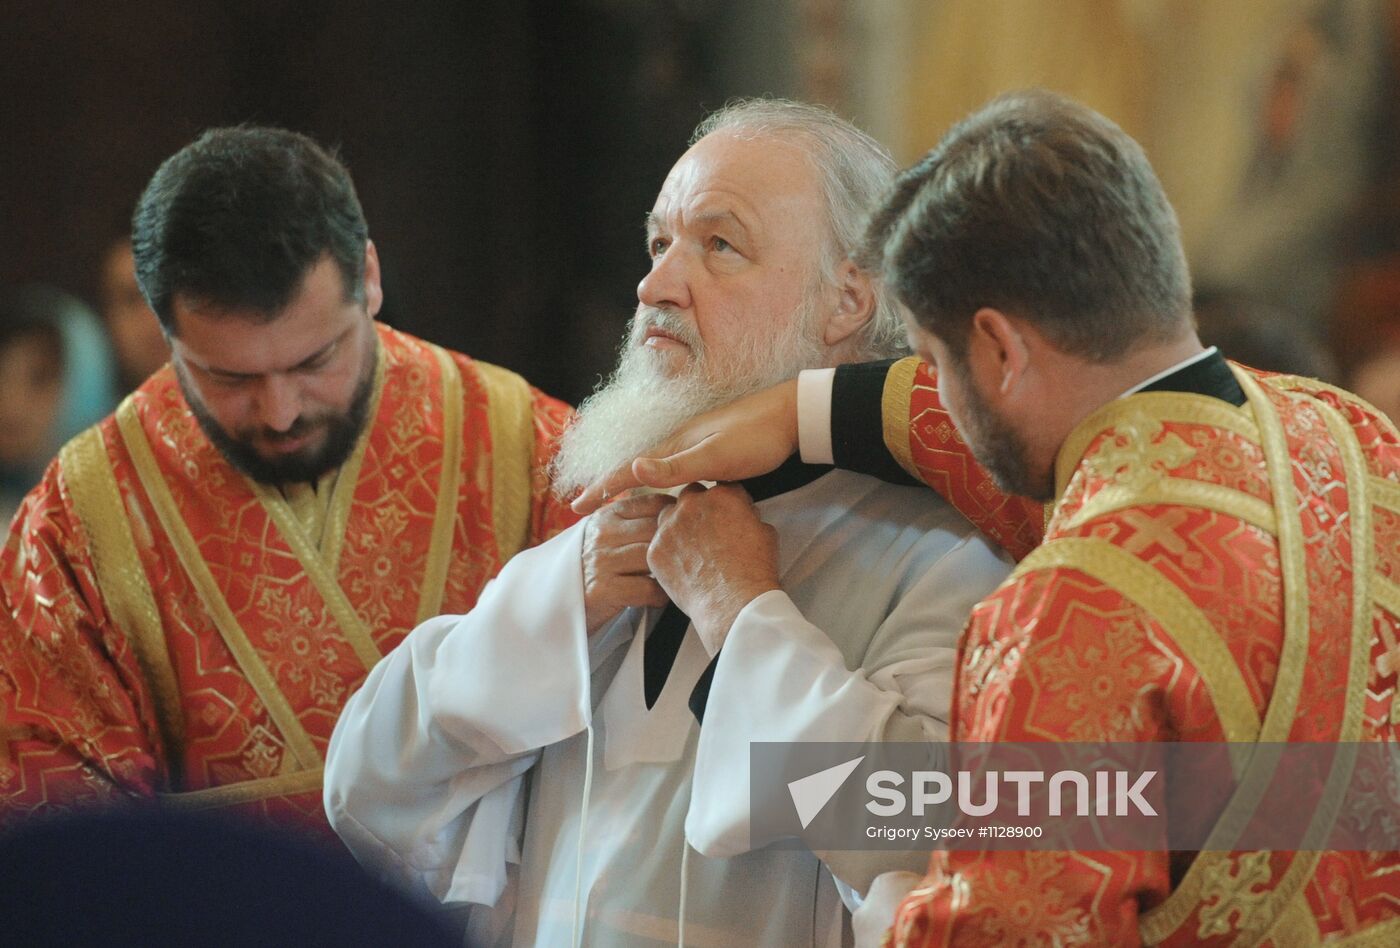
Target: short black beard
pixel 342 431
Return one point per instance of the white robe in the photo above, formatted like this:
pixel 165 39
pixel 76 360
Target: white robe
pixel 478 723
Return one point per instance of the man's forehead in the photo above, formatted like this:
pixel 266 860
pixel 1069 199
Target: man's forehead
pixel 747 177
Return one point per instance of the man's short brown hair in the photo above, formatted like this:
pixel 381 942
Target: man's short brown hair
pixel 1042 208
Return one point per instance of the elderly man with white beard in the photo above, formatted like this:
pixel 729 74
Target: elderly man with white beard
pixel 571 758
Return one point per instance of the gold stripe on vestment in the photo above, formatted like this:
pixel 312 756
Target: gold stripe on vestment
pixel 122 581
pixel 1165 407
pixel 1209 877
pixel 1179 492
pixel 1173 610
pixel 148 470
pixel 449 485
pixel 896 404
pixel 511 418
pixel 343 496
pixel 245 791
pixel 1383 935
pixel 1316 386
pixel 322 572
pixel 1385 493
pixel 1304 863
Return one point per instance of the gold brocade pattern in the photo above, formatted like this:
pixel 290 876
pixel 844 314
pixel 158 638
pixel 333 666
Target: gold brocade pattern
pixel 412 509
pixel 98 506
pixel 512 427
pixel 1166 605
pixel 898 385
pixel 449 484
pixel 1273 523
pixel 212 600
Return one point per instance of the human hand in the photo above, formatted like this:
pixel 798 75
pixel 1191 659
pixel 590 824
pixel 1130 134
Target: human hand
pixel 745 438
pixel 615 572
pixel 713 556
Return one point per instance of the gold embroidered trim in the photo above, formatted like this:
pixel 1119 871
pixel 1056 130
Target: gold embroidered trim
pixel 1315 386
pixel 449 484
pixel 1162 407
pixel 1212 865
pixel 245 791
pixel 134 437
pixel 1386 934
pixel 511 417
pixel 1387 595
pixel 1173 610
pixel 1296 926
pixel 338 517
pixel 895 407
pixel 1304 864
pixel 1362 557
pixel 355 631
pixel 1181 492
pixel 122 581
pixel 1385 493
pixel 1288 683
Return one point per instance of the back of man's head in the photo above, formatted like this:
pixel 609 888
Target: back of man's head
pixel 234 220
pixel 854 170
pixel 1041 208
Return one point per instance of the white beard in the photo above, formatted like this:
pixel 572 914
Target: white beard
pixel 641 405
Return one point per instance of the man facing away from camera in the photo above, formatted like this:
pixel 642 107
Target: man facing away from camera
pixel 620 740
pixel 203 577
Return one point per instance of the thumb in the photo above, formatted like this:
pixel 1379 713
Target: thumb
pixel 683 467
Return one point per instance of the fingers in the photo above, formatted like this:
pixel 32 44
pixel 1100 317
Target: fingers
pixel 640 591
pixel 663 471
pixel 600 492
pixel 638 506
pixel 683 467
pixel 620 560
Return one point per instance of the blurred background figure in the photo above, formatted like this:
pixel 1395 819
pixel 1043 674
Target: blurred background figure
pixel 1284 234
pixel 56 378
pixel 139 877
pixel 1260 335
pixel 1366 329
pixel 137 341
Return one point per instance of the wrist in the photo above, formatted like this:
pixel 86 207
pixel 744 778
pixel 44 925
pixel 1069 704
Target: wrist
pixel 717 615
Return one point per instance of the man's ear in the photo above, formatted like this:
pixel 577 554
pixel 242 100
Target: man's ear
pixel 855 304
pixel 374 290
pixel 999 349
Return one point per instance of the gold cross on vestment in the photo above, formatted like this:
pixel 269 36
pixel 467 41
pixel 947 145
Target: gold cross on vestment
pixel 1160 529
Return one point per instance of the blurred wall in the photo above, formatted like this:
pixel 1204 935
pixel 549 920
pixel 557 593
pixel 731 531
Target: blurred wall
pixel 1178 75
pixel 505 153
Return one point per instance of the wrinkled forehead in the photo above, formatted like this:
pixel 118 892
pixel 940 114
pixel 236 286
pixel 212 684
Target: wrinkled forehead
pixel 765 180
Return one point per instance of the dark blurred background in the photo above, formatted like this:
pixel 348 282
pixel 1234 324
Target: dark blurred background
pixel 504 152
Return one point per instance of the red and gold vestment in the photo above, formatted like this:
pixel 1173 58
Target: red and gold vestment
pixel 184 633
pixel 1209 573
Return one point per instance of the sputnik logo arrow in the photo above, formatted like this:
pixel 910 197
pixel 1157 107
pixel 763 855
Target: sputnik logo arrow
pixel 811 793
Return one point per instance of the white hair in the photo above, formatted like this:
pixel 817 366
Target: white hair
pixel 854 169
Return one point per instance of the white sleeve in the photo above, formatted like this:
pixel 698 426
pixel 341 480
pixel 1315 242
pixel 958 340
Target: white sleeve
pixel 426 766
pixel 814 387
pixel 781 679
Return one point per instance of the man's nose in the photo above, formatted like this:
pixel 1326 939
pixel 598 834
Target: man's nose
pixel 279 402
pixel 667 285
